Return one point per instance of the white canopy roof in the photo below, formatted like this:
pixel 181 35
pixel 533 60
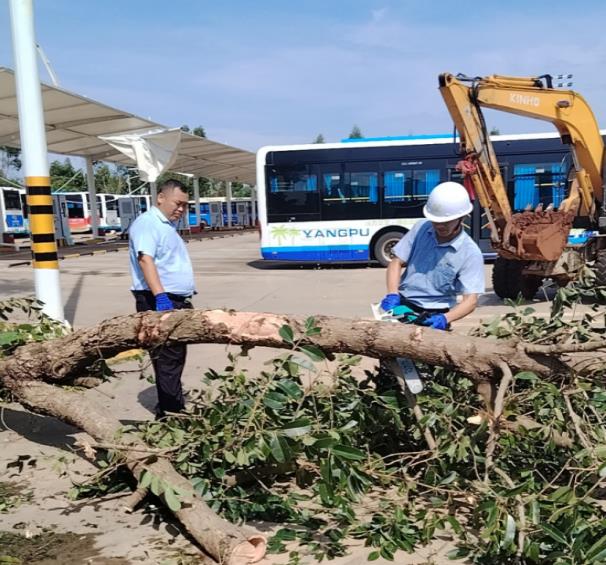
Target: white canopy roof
pixel 74 122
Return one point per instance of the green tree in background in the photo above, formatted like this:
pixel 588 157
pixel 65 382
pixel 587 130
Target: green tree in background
pixel 198 130
pixel 66 177
pixel 356 133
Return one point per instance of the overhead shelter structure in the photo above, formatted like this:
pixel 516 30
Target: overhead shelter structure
pixel 74 125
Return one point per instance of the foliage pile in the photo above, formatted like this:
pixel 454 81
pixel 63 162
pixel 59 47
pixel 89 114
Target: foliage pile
pixel 333 457
pixel 36 325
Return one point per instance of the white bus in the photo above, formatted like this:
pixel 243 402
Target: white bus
pixel 78 209
pixel 353 201
pixel 13 213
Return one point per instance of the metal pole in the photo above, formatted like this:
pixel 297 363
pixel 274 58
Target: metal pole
pixel 153 191
pixel 197 199
pixel 35 159
pixel 92 197
pixel 228 204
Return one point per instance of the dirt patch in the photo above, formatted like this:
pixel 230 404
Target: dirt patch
pixel 51 548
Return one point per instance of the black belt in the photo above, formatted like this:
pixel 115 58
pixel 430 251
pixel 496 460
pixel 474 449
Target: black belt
pixel 173 297
pixel 420 310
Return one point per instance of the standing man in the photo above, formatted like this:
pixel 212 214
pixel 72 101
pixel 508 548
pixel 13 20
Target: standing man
pixel 163 279
pixel 441 262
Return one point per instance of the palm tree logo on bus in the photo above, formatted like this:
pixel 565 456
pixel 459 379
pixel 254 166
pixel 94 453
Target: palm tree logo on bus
pixel 282 232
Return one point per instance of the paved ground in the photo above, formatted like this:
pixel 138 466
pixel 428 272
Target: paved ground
pixel 228 274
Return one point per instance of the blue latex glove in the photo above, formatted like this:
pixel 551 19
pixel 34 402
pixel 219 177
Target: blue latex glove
pixel 163 302
pixel 390 302
pixel 437 322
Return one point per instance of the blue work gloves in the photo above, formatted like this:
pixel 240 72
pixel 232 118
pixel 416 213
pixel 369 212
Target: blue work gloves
pixel 163 302
pixel 437 322
pixel 390 302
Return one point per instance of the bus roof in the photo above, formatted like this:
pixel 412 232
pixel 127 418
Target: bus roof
pixel 394 142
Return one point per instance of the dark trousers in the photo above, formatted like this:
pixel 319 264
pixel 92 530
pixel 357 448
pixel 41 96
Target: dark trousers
pixel 168 360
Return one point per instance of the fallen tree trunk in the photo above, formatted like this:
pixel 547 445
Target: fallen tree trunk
pixel 222 540
pixel 66 358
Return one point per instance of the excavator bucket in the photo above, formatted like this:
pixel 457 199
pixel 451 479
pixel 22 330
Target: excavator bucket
pixel 536 236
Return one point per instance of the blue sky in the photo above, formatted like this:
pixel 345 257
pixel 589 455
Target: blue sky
pixel 273 72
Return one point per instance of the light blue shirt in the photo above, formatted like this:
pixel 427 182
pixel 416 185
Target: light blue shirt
pixel 437 272
pixel 154 235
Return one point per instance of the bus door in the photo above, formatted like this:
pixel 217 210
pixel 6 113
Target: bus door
pixel 111 212
pixel 333 202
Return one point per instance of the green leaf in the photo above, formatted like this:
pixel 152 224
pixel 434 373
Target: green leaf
pixel 347 452
pixel 276 448
pixel 171 499
pixel 597 552
pixel 7 338
pixel 526 376
pixel 373 556
pixel 303 362
pixel 145 479
pixel 449 479
pixel 554 533
pixel 156 485
pixel 287 334
pixel 290 388
pixel 324 441
pixel 458 553
pixel 297 428
pixel 275 400
pixel 313 352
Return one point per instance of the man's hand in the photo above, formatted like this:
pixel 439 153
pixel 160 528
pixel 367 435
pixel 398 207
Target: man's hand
pixel 163 302
pixel 437 322
pixel 390 302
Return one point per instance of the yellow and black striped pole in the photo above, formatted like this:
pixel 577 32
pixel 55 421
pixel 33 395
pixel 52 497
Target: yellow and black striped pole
pixel 35 159
pixel 42 222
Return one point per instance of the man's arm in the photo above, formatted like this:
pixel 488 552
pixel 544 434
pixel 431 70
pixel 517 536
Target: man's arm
pixel 150 273
pixel 394 272
pixel 466 306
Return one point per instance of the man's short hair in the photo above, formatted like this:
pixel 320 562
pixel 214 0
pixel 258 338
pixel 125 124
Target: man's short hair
pixel 170 185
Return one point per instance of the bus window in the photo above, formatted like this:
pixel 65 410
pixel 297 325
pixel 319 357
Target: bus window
pixel 24 205
pixel 538 183
pixel 361 190
pixel 12 200
pixel 405 191
pixel 75 206
pixel 292 194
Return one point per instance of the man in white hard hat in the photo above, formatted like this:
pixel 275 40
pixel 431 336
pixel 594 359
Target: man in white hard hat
pixel 441 260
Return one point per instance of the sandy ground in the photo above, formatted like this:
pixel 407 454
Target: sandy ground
pixel 228 274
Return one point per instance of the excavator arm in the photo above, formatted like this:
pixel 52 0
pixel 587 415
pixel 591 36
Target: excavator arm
pixel 528 235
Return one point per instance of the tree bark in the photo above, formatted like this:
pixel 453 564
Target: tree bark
pixel 64 359
pixel 226 543
pixel 67 359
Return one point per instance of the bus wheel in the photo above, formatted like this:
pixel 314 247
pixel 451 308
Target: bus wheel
pixel 508 281
pixel 599 268
pixel 384 245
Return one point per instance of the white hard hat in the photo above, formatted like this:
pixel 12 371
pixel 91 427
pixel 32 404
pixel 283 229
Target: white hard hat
pixel 447 201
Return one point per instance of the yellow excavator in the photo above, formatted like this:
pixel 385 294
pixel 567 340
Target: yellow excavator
pixel 534 244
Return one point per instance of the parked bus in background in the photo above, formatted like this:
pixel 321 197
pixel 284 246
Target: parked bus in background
pixel 205 212
pixel 14 214
pixel 78 209
pixel 353 201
